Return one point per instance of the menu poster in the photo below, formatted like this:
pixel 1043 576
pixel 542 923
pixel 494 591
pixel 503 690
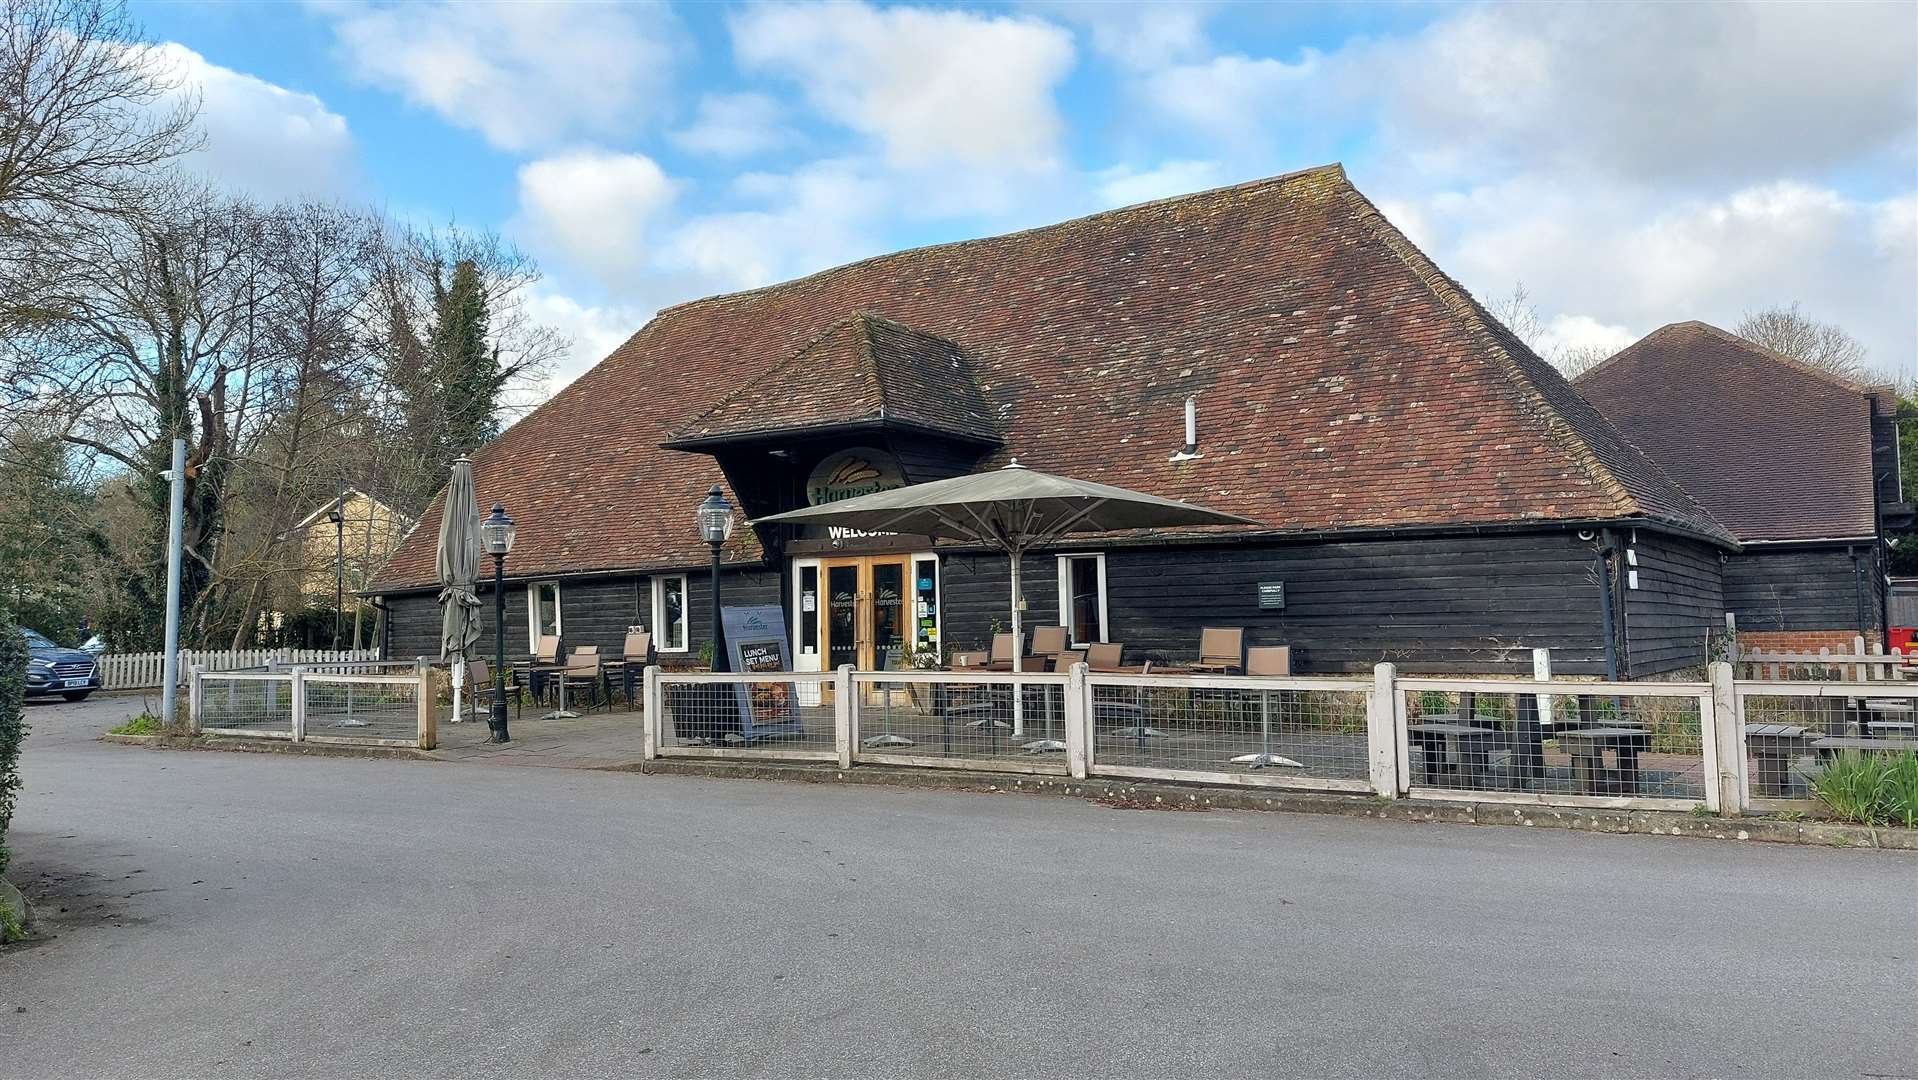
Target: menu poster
pixel 756 641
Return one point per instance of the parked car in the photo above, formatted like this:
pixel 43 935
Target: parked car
pixel 52 669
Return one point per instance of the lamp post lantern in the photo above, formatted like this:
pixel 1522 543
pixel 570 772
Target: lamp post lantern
pixel 496 539
pixel 715 520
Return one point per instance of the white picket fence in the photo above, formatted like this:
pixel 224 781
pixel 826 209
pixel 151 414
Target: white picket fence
pixel 140 671
pixel 1860 664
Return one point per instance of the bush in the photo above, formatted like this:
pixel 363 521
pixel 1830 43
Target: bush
pixel 13 723
pixel 1871 789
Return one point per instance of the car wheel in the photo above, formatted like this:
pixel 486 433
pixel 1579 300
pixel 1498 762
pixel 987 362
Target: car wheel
pixel 80 695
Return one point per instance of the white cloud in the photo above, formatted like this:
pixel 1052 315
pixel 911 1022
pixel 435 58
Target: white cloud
pixel 595 331
pixel 590 210
pixel 1121 186
pixel 933 86
pixel 262 139
pixel 523 75
pixel 1233 98
pixel 1599 259
pixel 734 125
pixel 820 216
pixel 1139 35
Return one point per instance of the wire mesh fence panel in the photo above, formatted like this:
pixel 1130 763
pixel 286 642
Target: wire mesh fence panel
pixel 362 708
pixel 748 715
pixel 1792 730
pixel 1248 731
pixel 247 704
pixel 1004 722
pixel 1605 742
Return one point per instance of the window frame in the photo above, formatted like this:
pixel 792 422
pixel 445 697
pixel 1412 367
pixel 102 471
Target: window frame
pixel 660 623
pixel 532 614
pixel 1065 596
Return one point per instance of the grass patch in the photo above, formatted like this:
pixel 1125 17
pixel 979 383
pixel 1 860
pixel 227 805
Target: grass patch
pixel 1871 789
pixel 144 724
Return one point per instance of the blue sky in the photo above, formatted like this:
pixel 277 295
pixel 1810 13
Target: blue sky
pixel 1631 165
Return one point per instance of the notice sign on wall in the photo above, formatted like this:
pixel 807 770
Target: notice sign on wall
pixel 1272 595
pixel 756 641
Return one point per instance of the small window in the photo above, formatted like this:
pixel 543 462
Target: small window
pixel 669 613
pixel 542 612
pixel 1082 597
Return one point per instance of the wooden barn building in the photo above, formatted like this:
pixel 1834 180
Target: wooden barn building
pixel 1797 463
pixel 1432 492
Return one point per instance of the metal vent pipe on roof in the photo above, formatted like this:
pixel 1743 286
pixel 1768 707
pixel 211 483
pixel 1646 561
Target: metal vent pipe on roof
pixel 1191 448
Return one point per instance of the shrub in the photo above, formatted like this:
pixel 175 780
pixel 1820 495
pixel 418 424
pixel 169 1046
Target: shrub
pixel 13 723
pixel 1871 789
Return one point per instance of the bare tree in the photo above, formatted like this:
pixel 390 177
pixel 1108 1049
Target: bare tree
pixel 1784 329
pixel 1520 315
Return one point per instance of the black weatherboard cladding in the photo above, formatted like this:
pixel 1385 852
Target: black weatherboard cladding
pixel 1800 588
pixel 1680 597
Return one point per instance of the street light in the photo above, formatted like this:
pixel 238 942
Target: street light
pixel 715 520
pixel 496 538
pixel 337 517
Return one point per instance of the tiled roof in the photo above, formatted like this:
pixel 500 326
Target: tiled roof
pixel 863 369
pixel 1342 380
pixel 1774 448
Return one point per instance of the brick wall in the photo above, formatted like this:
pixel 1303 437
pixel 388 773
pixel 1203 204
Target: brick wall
pixel 1800 641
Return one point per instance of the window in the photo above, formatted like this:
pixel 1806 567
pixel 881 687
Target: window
pixel 542 613
pixel 1082 597
pixel 669 613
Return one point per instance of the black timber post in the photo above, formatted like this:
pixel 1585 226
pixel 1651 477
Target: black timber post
pixel 1606 549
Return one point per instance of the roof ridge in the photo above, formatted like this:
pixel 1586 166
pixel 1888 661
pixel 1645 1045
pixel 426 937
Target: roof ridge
pixel 1461 302
pixel 1334 169
pixel 764 375
pixel 1802 366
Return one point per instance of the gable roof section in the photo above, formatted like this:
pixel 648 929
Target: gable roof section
pixel 1343 383
pixel 1772 447
pixel 866 369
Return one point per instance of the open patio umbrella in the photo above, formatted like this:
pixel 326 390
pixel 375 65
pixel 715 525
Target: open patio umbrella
pixel 1013 509
pixel 458 561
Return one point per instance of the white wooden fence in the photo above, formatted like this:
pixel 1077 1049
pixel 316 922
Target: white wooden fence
pixel 1725 744
pixel 139 671
pixel 1859 664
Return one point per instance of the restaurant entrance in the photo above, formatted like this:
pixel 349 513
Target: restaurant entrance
pixel 871 611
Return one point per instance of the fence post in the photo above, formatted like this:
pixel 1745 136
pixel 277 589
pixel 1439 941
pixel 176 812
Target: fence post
pixel 842 714
pixel 1382 734
pixel 649 712
pixel 1078 732
pixel 298 686
pixel 429 710
pixel 1724 738
pixel 195 698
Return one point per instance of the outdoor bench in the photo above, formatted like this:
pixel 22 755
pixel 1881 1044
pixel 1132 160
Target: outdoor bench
pixel 1774 747
pixel 1587 747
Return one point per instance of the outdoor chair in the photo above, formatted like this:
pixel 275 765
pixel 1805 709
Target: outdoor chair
pixel 1267 660
pixel 1221 651
pixel 479 681
pixel 1047 640
pixel 583 669
pixel 545 655
pixel 1105 656
pixel 635 654
pixel 1004 648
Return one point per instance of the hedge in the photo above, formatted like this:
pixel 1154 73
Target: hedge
pixel 13 723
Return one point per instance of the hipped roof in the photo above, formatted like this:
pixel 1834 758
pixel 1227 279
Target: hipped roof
pixel 1774 448
pixel 1343 382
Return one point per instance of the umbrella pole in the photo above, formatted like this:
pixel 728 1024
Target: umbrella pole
pixel 1018 647
pixel 459 670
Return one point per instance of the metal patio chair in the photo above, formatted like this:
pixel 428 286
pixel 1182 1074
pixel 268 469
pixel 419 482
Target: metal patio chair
pixel 1267 660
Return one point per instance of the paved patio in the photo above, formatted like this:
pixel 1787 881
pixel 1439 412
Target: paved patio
pixel 595 740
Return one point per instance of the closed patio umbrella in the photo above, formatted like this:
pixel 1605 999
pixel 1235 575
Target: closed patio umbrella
pixel 1013 509
pixel 458 561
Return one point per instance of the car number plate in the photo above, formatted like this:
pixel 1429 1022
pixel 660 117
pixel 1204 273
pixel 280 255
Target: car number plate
pixel 76 682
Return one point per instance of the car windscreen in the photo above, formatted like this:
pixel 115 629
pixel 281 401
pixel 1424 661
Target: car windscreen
pixel 38 641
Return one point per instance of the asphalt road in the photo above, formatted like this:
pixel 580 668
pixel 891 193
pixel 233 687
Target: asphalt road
pixel 250 915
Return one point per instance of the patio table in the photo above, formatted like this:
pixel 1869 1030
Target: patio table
pixel 1587 747
pixel 1453 749
pixel 1774 747
pixel 542 672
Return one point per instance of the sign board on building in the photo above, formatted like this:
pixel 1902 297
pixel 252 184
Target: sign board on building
pixel 850 473
pixel 756 641
pixel 1271 595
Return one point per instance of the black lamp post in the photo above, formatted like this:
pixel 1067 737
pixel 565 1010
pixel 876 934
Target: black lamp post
pixel 338 519
pixel 496 538
pixel 715 520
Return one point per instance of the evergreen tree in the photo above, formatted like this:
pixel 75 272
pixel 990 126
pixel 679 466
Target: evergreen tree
pixel 468 377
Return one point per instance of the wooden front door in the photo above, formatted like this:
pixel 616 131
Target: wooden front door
pixel 866 620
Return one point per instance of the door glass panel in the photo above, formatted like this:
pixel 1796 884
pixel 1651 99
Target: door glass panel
pixel 889 634
pixel 925 610
pixel 808 609
pixel 1084 610
pixel 842 616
